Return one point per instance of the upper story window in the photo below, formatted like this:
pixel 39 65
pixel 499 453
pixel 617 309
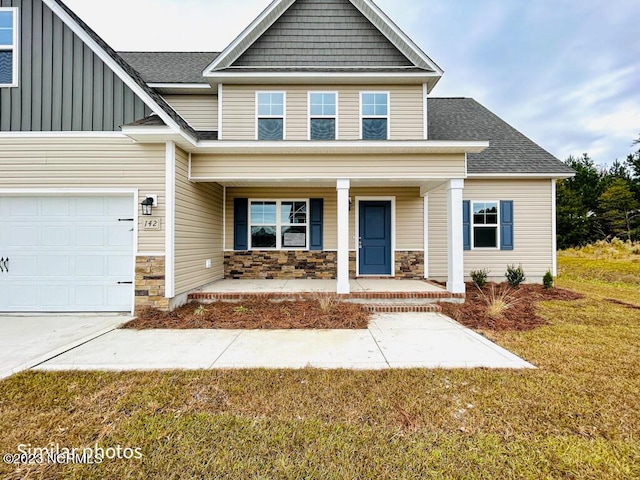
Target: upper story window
pixel 374 110
pixel 485 225
pixel 323 116
pixel 270 117
pixel 8 47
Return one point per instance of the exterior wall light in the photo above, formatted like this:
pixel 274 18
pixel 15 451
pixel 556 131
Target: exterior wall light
pixel 147 206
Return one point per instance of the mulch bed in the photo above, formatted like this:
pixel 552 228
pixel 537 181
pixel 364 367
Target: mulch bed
pixel 256 314
pixel 520 314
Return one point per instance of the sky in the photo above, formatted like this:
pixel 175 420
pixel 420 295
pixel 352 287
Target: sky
pixel 566 73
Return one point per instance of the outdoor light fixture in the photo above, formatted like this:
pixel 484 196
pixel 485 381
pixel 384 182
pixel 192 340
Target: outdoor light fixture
pixel 147 206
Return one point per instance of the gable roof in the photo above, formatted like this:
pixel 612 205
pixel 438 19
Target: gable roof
pixel 128 75
pixel 170 67
pixel 325 13
pixel 509 152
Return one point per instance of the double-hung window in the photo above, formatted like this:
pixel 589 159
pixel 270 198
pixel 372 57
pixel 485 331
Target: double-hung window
pixel 485 225
pixel 270 118
pixel 374 110
pixel 279 224
pixel 323 116
pixel 8 47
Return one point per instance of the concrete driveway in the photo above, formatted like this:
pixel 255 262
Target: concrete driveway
pixel 28 340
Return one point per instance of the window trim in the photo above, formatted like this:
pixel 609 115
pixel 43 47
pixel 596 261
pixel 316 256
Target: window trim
pixel 279 224
pixel 334 117
pixel 15 48
pixel 283 116
pixel 472 225
pixel 387 116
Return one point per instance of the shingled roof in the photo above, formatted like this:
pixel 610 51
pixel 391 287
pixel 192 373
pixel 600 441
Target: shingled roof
pixel 170 67
pixel 509 152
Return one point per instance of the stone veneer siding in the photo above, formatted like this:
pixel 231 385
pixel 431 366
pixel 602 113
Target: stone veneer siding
pixel 292 264
pixel 150 283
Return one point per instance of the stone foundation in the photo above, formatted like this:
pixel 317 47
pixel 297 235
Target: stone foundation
pixel 150 283
pixel 270 264
pixel 410 265
pixel 280 264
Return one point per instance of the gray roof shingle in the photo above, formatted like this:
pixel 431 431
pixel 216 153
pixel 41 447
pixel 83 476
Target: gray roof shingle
pixel 510 152
pixel 170 67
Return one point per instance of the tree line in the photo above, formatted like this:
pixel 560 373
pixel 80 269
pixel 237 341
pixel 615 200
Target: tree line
pixel 599 203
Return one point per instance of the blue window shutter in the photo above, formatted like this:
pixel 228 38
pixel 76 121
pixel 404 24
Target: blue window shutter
pixel 317 214
pixel 240 224
pixel 506 225
pixel 466 224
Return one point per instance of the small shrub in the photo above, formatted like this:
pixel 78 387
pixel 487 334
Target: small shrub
pixel 515 275
pixel 240 310
pixel 327 302
pixel 547 280
pixel 199 311
pixel 498 302
pixel 479 277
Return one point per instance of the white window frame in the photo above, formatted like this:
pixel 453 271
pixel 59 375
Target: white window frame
pixel 472 224
pixel 283 116
pixel 310 117
pixel 279 224
pixel 14 48
pixel 387 116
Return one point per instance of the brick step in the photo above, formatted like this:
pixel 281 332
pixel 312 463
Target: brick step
pixel 433 296
pixel 402 307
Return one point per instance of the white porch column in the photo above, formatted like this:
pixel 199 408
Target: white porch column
pixel 342 186
pixel 455 242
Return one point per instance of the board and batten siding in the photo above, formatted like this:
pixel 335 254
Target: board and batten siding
pixel 200 111
pixel 233 167
pixel 198 227
pixel 409 211
pixel 62 84
pixel 88 163
pixel 532 229
pixel 406 110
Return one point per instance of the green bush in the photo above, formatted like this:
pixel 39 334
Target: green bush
pixel 515 275
pixel 547 280
pixel 479 277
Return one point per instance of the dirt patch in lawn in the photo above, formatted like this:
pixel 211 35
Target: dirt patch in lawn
pixel 253 314
pixel 500 307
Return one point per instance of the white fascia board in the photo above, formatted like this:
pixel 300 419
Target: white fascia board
pixel 497 176
pixel 248 35
pixel 83 134
pixel 190 86
pixel 229 76
pixel 113 65
pixel 337 146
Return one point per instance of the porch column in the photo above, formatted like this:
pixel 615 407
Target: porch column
pixel 342 186
pixel 455 243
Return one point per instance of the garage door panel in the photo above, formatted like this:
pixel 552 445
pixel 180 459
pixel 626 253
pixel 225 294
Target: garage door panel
pixel 56 207
pixel 68 253
pixel 89 236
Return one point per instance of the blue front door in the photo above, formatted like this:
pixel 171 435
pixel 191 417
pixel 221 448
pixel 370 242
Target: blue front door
pixel 375 238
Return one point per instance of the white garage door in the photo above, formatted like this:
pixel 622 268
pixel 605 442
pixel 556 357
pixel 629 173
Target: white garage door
pixel 66 253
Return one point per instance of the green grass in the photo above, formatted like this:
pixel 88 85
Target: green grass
pixel 575 417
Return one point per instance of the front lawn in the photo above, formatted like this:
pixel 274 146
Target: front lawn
pixel 575 417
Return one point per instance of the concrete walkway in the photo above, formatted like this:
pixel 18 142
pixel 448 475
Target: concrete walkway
pixel 27 340
pixel 405 340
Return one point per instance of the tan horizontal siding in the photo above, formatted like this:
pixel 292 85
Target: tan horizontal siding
pixel 92 163
pixel 532 228
pixel 201 111
pixel 227 167
pixel 406 110
pixel 409 211
pixel 198 230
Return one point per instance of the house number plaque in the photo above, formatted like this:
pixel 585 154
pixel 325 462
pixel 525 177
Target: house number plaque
pixel 151 223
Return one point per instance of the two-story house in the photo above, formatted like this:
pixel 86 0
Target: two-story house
pixel 311 147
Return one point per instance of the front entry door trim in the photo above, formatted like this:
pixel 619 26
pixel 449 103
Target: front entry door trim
pixel 357 231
